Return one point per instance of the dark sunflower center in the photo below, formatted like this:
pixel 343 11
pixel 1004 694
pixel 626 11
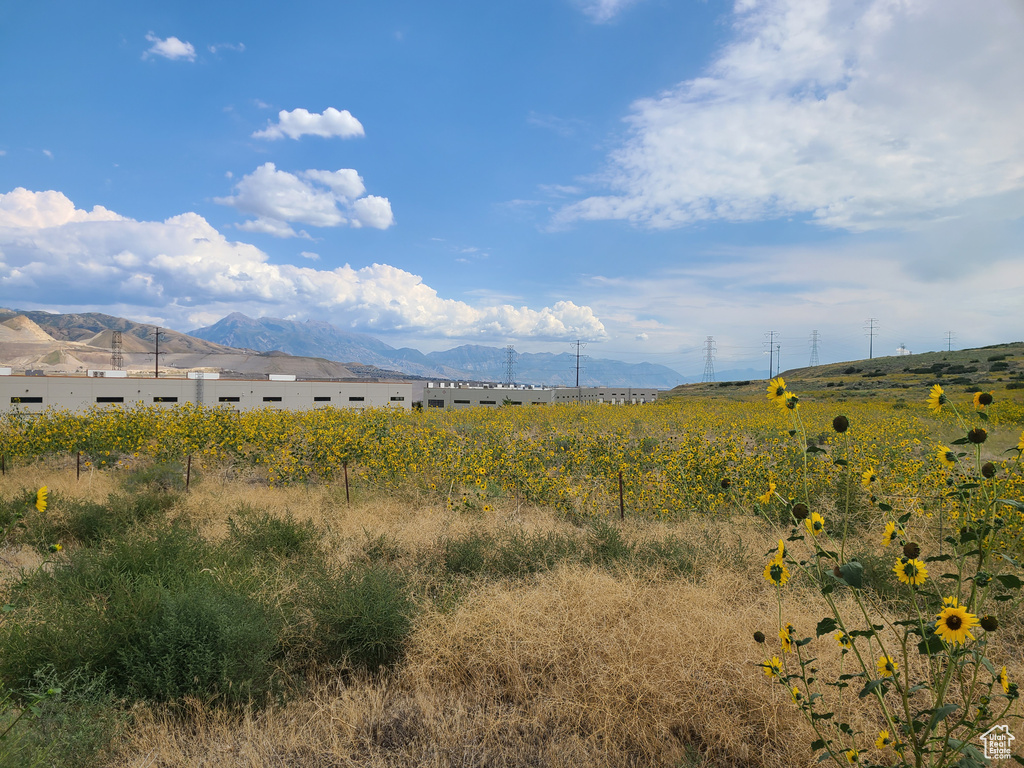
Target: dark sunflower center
pixel 954 622
pixel 780 391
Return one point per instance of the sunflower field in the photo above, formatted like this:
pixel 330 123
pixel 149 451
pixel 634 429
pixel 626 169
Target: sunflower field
pixel 676 458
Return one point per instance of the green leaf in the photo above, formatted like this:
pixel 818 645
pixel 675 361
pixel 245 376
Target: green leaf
pixel 884 507
pixel 932 645
pixel 815 449
pixel 851 675
pixel 968 486
pixel 861 633
pixel 840 462
pixel 916 688
pixel 940 714
pixel 825 626
pixel 821 715
pixel 870 687
pixel 1010 581
pixel 982 415
pixel 949 576
pixel 852 573
pixel 938 558
pixel 903 518
pixel 961 441
pixel 1011 503
pixel 817 744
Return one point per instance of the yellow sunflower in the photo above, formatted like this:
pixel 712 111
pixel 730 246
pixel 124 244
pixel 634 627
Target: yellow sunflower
pixel 945 456
pixel 773 668
pixel 781 553
pixel 954 624
pixel 792 402
pixel 41 495
pixel 815 523
pixel 852 756
pixel 981 399
pixel 1020 443
pixel 884 740
pixel 777 391
pixel 786 636
pixel 1004 680
pixel 868 477
pixel 887 666
pixel 937 398
pixel 766 497
pixel 891 530
pixel 776 572
pixel 795 693
pixel 950 602
pixel 911 571
pixel 844 640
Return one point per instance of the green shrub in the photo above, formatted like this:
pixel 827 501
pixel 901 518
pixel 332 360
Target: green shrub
pixel 258 534
pixel 607 547
pixel 162 476
pixel 146 612
pixel 364 615
pixel 70 729
pixel 469 554
pixel 204 640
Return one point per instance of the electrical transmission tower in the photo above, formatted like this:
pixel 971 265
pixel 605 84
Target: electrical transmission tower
pixel 871 329
pixel 814 348
pixel 156 355
pixel 116 351
pixel 579 348
pixel 771 351
pixel 709 359
pixel 510 365
pixel 950 335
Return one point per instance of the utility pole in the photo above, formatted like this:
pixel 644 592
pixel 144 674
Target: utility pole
pixel 116 356
pixel 814 348
pixel 156 354
pixel 709 359
pixel 510 365
pixel 771 351
pixel 871 328
pixel 949 340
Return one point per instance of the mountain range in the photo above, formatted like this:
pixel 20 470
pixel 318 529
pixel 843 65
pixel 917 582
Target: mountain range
pixel 315 338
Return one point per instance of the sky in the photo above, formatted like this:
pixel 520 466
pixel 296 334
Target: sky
pixel 641 175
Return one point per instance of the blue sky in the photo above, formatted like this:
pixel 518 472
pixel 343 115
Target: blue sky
pixel 640 174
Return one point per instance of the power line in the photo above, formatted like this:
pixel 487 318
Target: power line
pixel 709 359
pixel 870 328
pixel 814 348
pixel 950 335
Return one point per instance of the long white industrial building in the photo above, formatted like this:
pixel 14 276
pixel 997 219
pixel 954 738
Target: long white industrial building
pixel 456 395
pixel 30 394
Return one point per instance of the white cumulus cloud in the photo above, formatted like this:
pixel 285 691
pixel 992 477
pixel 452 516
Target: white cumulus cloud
pixel 55 255
pixel 315 197
pixel 853 113
pixel 301 122
pixel 169 48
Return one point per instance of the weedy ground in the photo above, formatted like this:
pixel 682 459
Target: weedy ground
pixel 511 637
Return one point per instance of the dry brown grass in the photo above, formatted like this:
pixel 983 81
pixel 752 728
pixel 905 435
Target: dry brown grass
pixel 576 666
